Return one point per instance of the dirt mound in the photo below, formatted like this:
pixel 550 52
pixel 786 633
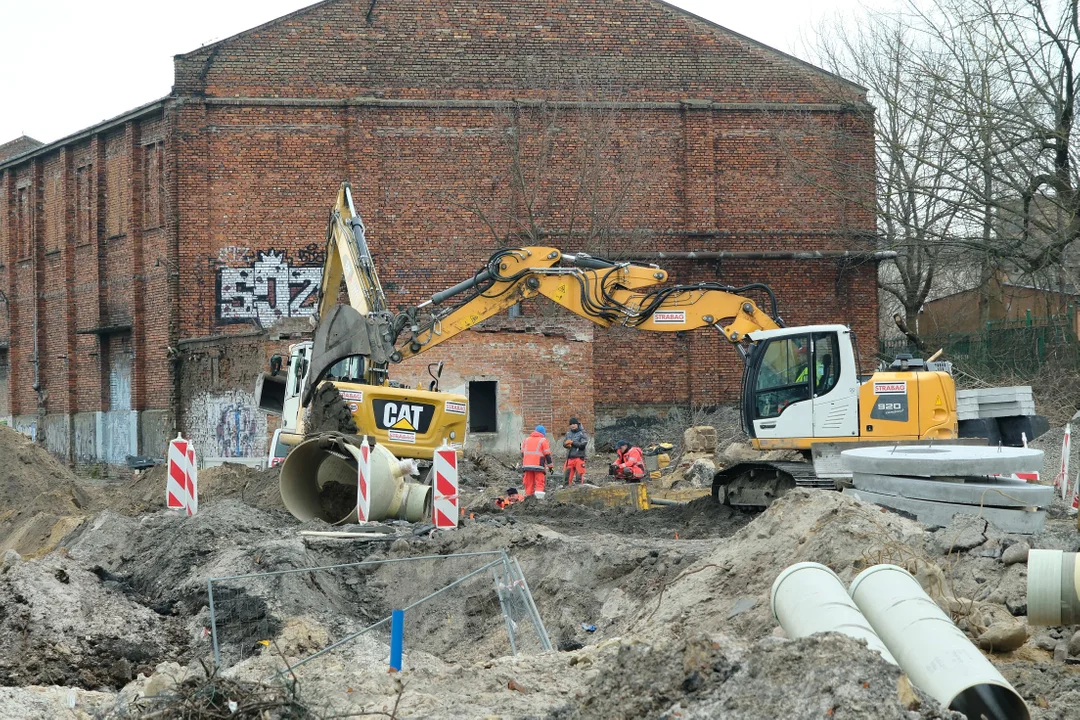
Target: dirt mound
pixel 707 677
pixel 145 492
pixel 61 624
pixel 729 591
pixel 40 500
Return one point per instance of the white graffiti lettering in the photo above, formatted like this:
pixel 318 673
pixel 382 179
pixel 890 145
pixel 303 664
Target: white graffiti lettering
pixel 267 290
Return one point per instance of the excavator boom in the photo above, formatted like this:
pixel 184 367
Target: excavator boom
pixel 604 292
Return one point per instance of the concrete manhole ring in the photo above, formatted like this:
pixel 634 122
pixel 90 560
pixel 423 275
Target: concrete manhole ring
pixel 942 460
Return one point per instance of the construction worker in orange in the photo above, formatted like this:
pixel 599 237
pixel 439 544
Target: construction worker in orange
pixel 575 443
pixel 535 461
pixel 629 463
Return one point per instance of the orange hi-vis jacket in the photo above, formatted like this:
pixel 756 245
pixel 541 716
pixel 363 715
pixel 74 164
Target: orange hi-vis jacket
pixel 631 461
pixel 536 452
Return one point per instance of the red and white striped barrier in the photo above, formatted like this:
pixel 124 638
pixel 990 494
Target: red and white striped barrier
pixel 444 508
pixel 363 482
pixel 1062 478
pixel 182 483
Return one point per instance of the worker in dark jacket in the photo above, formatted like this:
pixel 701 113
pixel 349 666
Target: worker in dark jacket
pixel 629 463
pixel 535 460
pixel 575 443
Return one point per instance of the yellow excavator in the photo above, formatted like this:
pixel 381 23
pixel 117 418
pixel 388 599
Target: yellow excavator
pixel 802 386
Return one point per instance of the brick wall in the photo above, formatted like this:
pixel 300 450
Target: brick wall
pixel 544 372
pixel 205 215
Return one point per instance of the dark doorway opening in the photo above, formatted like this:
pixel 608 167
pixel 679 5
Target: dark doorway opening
pixel 482 406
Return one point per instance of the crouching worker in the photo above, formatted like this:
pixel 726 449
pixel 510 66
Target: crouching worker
pixel 629 463
pixel 535 461
pixel 511 498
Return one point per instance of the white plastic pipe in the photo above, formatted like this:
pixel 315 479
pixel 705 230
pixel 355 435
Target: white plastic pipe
pixel 935 654
pixel 809 598
pixel 1053 590
pixel 319 480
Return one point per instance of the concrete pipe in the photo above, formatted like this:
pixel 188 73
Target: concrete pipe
pixel 319 480
pixel 809 598
pixel 935 654
pixel 1053 588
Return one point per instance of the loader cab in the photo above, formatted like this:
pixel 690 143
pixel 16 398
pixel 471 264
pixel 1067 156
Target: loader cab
pixel 299 354
pixel 801 383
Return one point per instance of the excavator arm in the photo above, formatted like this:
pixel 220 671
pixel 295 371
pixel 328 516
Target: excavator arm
pixel 604 292
pixel 360 332
pixel 357 342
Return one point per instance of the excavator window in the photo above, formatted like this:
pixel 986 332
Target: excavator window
pixel 826 368
pixel 783 377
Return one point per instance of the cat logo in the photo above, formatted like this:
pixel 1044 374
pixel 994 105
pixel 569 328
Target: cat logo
pixel 403 416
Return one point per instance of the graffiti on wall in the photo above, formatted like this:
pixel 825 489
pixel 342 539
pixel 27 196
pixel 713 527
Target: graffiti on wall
pixel 268 285
pixel 226 424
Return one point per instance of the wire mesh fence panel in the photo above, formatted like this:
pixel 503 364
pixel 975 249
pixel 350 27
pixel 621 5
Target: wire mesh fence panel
pixel 1019 348
pixel 339 616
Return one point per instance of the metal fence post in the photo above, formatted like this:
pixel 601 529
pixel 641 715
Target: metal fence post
pixel 213 622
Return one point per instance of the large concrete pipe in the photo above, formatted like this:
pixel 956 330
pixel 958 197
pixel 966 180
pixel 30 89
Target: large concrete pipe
pixel 319 480
pixel 935 654
pixel 809 598
pixel 1053 588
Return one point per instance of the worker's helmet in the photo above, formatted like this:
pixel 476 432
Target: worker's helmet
pixel 621 443
pixel 540 429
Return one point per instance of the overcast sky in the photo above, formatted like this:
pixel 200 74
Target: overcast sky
pixel 68 64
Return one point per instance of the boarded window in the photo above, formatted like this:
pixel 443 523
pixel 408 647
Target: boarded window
pixel 84 208
pixel 117 184
pixel 153 185
pixel 482 405
pixel 24 222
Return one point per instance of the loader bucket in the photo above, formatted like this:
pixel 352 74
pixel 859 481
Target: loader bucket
pixel 319 480
pixel 343 333
pixel 270 393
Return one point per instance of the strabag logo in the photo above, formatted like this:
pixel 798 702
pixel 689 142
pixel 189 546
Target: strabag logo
pixel 898 387
pixel 670 317
pixel 458 408
pixel 353 398
pixel 401 436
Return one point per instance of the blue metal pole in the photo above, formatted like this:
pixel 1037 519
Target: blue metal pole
pixel 397 637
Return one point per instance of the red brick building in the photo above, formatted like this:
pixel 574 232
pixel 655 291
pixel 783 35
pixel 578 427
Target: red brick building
pixel 145 262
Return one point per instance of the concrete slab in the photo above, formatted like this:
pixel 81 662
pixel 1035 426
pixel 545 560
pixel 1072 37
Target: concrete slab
pixel 827 456
pixel 985 492
pixel 1020 522
pixel 942 460
pixel 629 495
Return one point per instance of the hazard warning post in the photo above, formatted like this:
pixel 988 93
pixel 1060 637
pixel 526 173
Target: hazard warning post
pixel 363 482
pixel 182 480
pixel 444 491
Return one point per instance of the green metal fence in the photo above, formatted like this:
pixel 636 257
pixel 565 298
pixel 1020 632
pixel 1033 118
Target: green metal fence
pixel 1019 347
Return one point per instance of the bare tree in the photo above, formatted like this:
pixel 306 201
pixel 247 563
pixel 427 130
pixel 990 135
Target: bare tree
pixel 1010 81
pixel 915 200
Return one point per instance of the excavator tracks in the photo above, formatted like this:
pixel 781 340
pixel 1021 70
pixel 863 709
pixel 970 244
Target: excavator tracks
pixel 756 485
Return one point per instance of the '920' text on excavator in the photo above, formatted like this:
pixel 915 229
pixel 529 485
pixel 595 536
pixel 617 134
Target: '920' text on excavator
pixel 801 389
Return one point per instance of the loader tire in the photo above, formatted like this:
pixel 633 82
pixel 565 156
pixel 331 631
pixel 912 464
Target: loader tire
pixel 328 412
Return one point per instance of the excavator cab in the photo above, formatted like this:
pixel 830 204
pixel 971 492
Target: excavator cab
pixel 800 384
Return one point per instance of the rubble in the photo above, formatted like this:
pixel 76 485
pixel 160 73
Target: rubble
pixel 678 597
